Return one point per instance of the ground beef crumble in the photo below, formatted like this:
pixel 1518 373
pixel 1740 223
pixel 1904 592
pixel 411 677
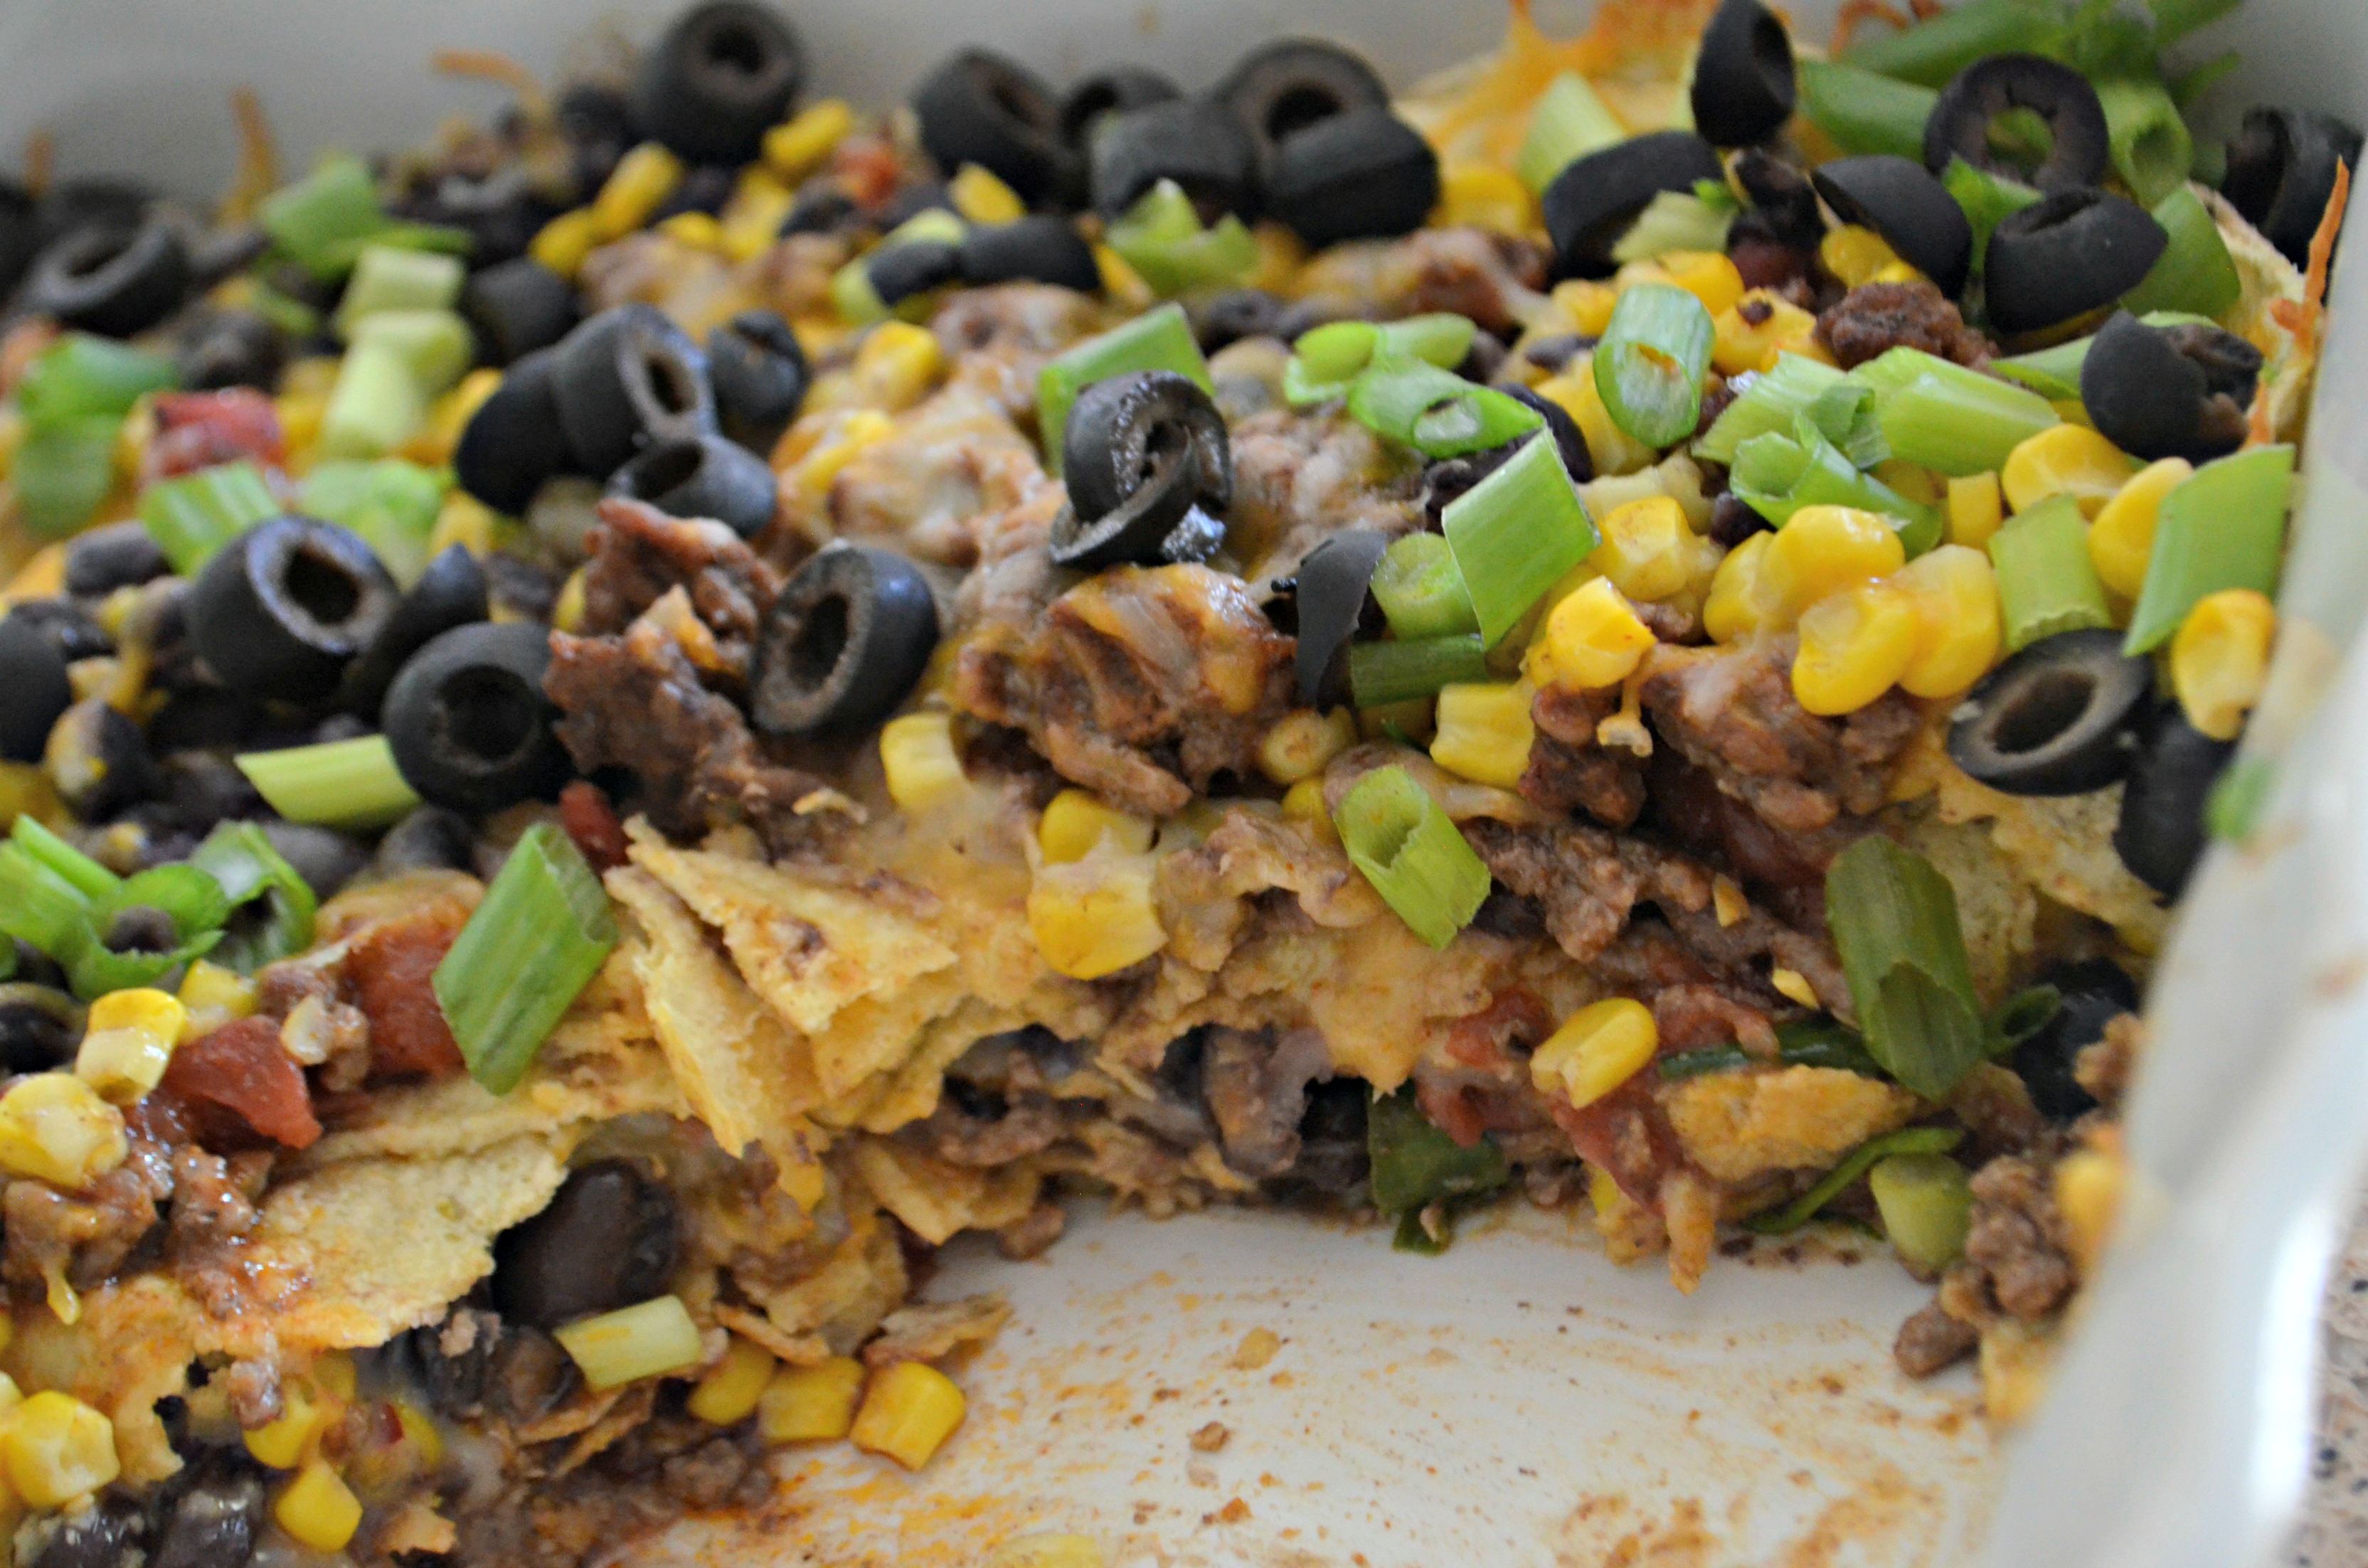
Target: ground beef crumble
pixel 1874 318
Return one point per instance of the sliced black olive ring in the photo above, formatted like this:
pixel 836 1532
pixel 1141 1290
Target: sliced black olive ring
pixel 515 439
pixel 1114 91
pixel 1594 199
pixel 2090 995
pixel 1329 598
pixel 2074 252
pixel 702 476
pixel 1959 126
pixel 34 688
pixel 2281 171
pixel 1743 87
pixel 1363 175
pixel 982 107
pixel 1198 144
pixel 2054 718
pixel 113 280
pixel 468 723
pixel 1140 452
pixel 280 610
pixel 2177 392
pixel 757 369
pixel 1293 82
pixel 1914 213
pixel 517 307
pixel 897 273
pixel 718 78
pixel 845 643
pixel 450 593
pixel 624 378
pixel 1036 249
pixel 2161 833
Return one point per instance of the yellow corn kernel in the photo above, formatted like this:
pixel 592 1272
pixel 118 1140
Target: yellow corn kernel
pixel 644 1340
pixel 1749 334
pixel 1976 509
pixel 1593 639
pixel 1094 917
pixel 2089 1187
pixel 564 242
pixel 420 1431
pixel 55 1128
pixel 1707 275
pixel 1302 806
pixel 752 220
pixel 1793 986
pixel 2065 459
pixel 2072 410
pixel 636 187
pixel 1484 196
pixel 466 521
pixel 42 576
pixel 57 1449
pixel 1484 732
pixel 1913 479
pixel 283 1441
pixel 1586 304
pixel 728 1393
pixel 699 231
pixel 1954 593
pixel 2220 659
pixel 812 458
pixel 318 1508
pixel 11 1396
pixel 978 196
pixel 1824 549
pixel 1077 821
pixel 896 366
pixel 1613 449
pixel 810 1404
pixel 1897 272
pixel 1855 644
pixel 567 610
pixel 1645 548
pixel 1737 606
pixel 1727 900
pixel 1598 1049
pixel 128 1041
pixel 794 148
pixel 910 1409
pixel 1855 255
pixel 918 753
pixel 2120 541
pixel 1047 1552
pixel 334 1373
pixel 25 791
pixel 1303 741
pixel 1121 281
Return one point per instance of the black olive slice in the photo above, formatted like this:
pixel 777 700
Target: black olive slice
pixel 514 440
pixel 2281 171
pixel 2170 392
pixel 718 78
pixel 898 272
pixel 980 108
pixel 38 1027
pixel 1914 213
pixel 1363 175
pixel 468 722
pixel 113 280
pixel 1959 126
pixel 231 348
pixel 280 610
pixel 1292 83
pixel 758 370
pixel 1036 249
pixel 450 593
pixel 1743 87
pixel 1196 144
pixel 624 378
pixel 1331 592
pixel 515 308
pixel 2074 252
pixel 99 760
pixel 34 688
pixel 2091 993
pixel 844 644
pixel 1569 440
pixel 2161 833
pixel 702 476
pixel 1192 540
pixel 1592 201
pixel 1134 533
pixel 1114 91
pixel 2053 719
pixel 1126 431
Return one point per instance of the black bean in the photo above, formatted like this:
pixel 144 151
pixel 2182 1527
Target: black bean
pixel 204 717
pixel 844 644
pixel 34 688
pixel 2054 718
pixel 430 838
pixel 120 555
pixel 607 1240
pixel 214 1521
pixel 113 280
pixel 468 722
pixel 1365 174
pixel 107 1535
pixel 40 1025
pixel 280 610
pixel 202 787
pixel 2093 993
pixel 2161 833
pixel 718 78
pixel 703 477
pixel 2079 149
pixel 98 761
pixel 985 109
pixel 1228 317
pixel 67 627
pixel 324 857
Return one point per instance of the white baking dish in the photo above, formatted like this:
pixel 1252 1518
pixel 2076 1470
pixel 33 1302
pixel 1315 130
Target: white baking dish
pixel 1525 1402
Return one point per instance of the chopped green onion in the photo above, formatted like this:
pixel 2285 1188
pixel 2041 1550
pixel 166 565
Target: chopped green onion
pixel 2151 148
pixel 1337 351
pixel 1516 534
pixel 322 220
pixel 645 1340
pixel 2232 811
pixel 2055 373
pixel 542 934
pixel 186 893
pixel 2022 1016
pixel 1770 401
pixel 1955 421
pixel 1156 340
pixel 38 907
pixel 1436 412
pixel 62 470
pixel 1326 360
pixel 1384 673
pixel 1932 52
pixel 1927 1205
pixel 375 406
pixel 292 316
pixel 436 345
pixel 194 515
pixel 2195 272
pixel 80 375
pixel 1894 920
pixel 190 898
pixel 2174 19
pixel 852 295
pixel 388 277
pixel 1777 475
pixel 1569 122
pixel 1806 1042
pixel 2212 158
pixel 1161 236
pixel 390 503
pixel 1675 220
pixel 239 856
pixel 1863 112
pixel 1415 1164
pixel 1649 367
pixel 1987 201
pixel 343 784
pixel 2221 527
pixel 78 870
pixel 2046 582
pixel 1719 197
pixel 1414 856
pixel 1854 1165
pixel 1419 589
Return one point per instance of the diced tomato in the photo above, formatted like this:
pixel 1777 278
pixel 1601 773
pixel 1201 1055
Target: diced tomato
pixel 866 169
pixel 242 1069
pixel 1625 1135
pixel 591 822
pixel 197 430
pixel 392 969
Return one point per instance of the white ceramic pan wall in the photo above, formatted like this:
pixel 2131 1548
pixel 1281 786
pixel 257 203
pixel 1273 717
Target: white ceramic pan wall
pixel 1524 1401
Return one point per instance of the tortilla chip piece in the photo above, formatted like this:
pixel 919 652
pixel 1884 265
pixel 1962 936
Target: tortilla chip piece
pixel 937 1200
pixel 1738 1126
pixel 810 949
pixel 841 1304
pixel 2063 846
pixel 1996 908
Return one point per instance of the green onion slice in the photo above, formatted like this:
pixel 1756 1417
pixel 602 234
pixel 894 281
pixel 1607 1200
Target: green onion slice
pixel 1161 236
pixel 1778 476
pixel 1804 1042
pixel 1932 52
pixel 1326 360
pixel 1955 421
pixel 322 220
pixel 2151 148
pixel 390 503
pixel 1415 859
pixel 1675 220
pixel 1857 1163
pixel 392 277
pixel 2195 273
pixel 1649 366
pixel 1927 1204
pixel 377 403
pixel 1384 673
pixel 343 784
pixel 2234 809
pixel 436 346
pixel 542 934
pixel 2022 1016
pixel 1894 919
pixel 1418 585
pixel 1415 1164
pixel 2222 526
pixel 78 870
pixel 240 859
pixel 1863 112
pixel 1515 535
pixel 1569 122
pixel 1987 201
pixel 79 376
pixel 2045 581
pixel 2055 373
pixel 1768 401
pixel 1436 412
pixel 62 470
pixel 38 907
pixel 1156 340
pixel 192 517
